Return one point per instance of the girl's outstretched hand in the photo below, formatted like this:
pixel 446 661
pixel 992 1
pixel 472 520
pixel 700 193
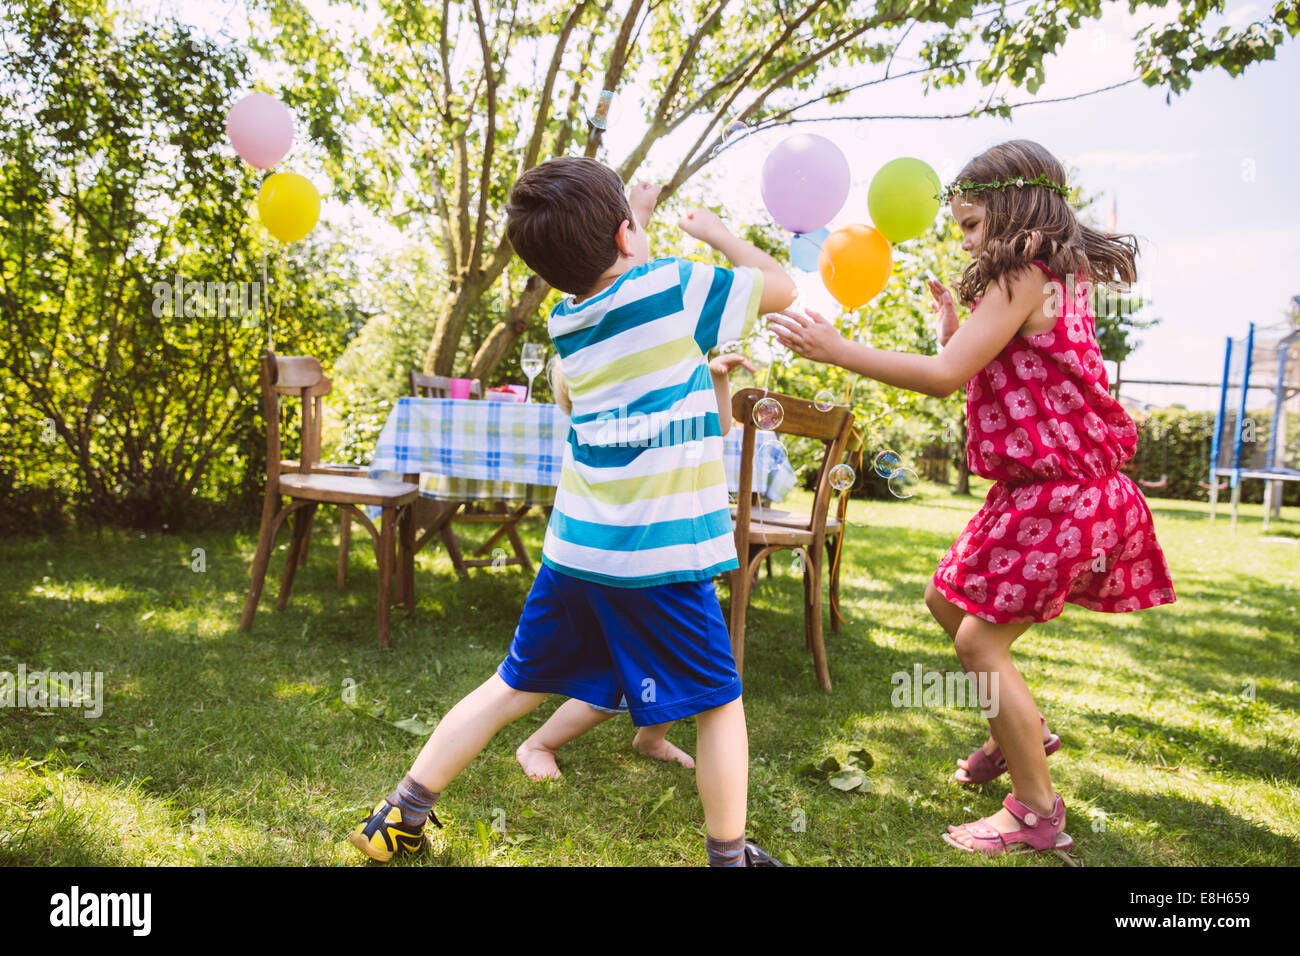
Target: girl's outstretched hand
pixel 943 307
pixel 810 335
pixel 724 364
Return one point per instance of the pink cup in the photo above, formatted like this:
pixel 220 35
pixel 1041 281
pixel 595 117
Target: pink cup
pixel 458 388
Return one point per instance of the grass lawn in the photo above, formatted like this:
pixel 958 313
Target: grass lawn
pixel 1180 724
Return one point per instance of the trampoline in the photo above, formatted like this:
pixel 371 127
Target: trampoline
pixel 1250 444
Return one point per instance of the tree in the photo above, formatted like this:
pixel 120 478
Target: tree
pixel 450 101
pixel 126 280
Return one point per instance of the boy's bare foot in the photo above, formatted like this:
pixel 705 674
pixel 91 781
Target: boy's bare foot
pixel 659 748
pixel 538 761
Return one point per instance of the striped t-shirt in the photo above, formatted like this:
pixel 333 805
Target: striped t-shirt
pixel 643 497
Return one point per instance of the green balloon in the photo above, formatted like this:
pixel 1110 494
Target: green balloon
pixel 904 198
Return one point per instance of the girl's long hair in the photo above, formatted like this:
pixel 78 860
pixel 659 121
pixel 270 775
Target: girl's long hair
pixel 1023 223
pixel 559 385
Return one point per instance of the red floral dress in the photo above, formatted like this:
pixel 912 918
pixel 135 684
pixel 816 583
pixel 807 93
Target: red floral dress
pixel 1061 523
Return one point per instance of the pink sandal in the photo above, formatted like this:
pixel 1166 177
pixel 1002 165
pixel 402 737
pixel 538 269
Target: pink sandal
pixel 982 767
pixel 1036 835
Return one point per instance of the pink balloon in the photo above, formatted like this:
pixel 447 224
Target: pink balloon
pixel 260 128
pixel 805 182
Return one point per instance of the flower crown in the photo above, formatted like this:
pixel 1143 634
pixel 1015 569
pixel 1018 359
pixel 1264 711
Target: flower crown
pixel 967 186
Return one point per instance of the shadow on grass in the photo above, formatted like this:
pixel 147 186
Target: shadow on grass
pixel 1129 815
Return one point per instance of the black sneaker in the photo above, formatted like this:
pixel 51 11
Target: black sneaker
pixel 756 856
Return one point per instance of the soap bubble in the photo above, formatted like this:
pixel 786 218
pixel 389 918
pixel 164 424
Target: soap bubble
pixel 601 119
pixel 825 400
pixel 842 477
pixel 732 129
pixel 768 414
pixel 903 483
pixel 887 463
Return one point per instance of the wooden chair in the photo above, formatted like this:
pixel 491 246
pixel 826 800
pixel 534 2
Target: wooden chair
pixel 761 531
pixel 439 386
pixel 307 488
pixel 317 394
pixel 835 528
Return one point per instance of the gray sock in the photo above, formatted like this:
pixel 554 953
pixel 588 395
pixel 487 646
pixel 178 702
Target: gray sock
pixel 725 852
pixel 414 800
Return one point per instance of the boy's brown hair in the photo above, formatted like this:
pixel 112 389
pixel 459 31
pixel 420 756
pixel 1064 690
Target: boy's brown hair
pixel 562 218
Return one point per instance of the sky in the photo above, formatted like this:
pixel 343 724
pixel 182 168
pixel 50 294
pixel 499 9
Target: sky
pixel 1208 183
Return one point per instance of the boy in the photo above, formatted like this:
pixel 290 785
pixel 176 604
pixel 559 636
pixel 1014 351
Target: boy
pixel 573 718
pixel 624 598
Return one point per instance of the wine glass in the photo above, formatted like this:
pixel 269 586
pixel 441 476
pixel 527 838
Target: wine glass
pixel 531 361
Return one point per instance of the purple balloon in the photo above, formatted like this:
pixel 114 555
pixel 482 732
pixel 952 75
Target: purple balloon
pixel 260 128
pixel 805 182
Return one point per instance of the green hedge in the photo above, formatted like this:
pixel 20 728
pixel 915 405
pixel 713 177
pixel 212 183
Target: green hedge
pixel 130 394
pixel 1176 442
pixel 1172 442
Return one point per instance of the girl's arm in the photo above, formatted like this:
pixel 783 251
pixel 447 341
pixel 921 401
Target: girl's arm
pixel 975 343
pixel 720 368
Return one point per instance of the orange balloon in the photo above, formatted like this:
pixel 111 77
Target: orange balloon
pixel 855 263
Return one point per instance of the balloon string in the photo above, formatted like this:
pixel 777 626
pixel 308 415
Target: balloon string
pixel 830 263
pixel 844 530
pixel 265 294
pixel 835 563
pixel 279 269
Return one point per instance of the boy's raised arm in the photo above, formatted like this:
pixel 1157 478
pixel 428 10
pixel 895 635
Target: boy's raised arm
pixel 641 199
pixel 778 288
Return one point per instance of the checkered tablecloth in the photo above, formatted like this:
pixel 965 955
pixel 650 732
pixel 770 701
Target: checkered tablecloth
pixel 474 449
pixel 508 451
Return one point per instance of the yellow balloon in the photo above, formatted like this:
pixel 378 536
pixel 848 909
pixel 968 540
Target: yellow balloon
pixel 854 263
pixel 288 206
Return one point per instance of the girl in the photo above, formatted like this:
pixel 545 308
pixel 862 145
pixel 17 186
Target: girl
pixel 1061 523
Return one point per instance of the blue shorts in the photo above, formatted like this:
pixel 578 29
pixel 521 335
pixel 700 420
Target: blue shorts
pixel 620 709
pixel 666 646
